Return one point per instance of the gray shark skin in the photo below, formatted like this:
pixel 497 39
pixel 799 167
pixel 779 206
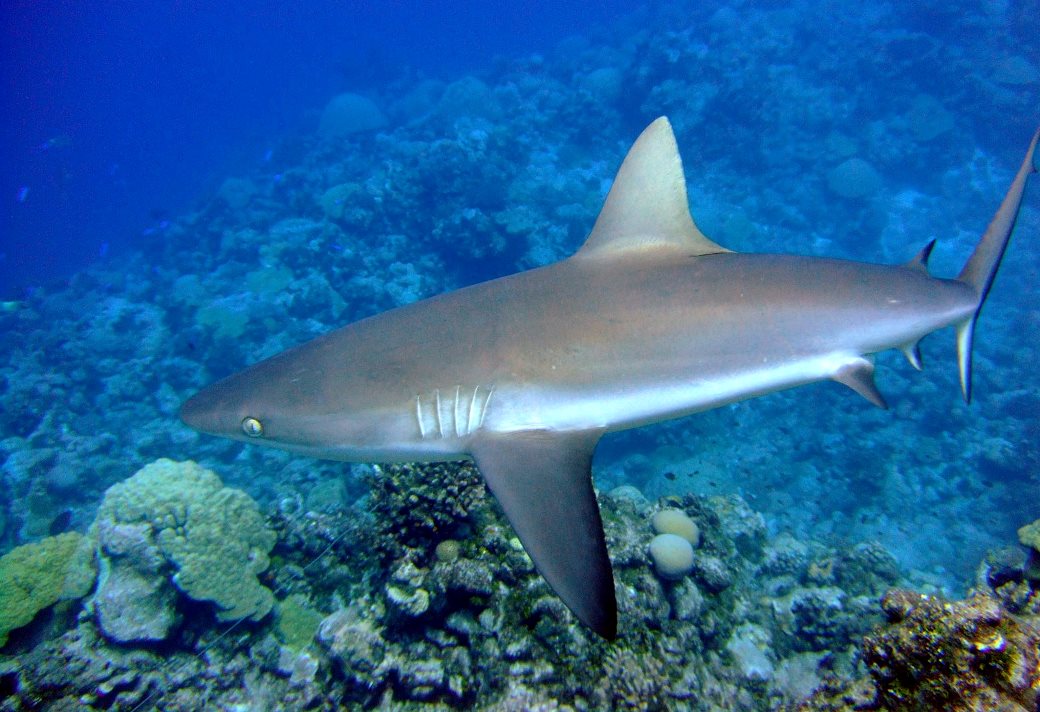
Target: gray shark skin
pixel 650 320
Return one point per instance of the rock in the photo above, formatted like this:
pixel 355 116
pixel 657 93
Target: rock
pixel 354 642
pixel 135 600
pixel 23 466
pixel 687 601
pixel 134 606
pixel 928 118
pixel 409 602
pixel 304 668
pixel 237 192
pixel 748 645
pixel 605 84
pixel 712 572
pixel 796 676
pixel 467 97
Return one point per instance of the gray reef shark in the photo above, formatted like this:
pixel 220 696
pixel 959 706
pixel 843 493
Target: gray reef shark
pixel 649 320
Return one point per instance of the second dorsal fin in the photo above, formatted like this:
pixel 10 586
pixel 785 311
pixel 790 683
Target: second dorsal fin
pixel 646 209
pixel 920 260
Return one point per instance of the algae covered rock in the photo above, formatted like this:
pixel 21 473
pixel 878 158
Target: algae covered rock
pixel 35 576
pixel 296 623
pixel 964 655
pixel 176 522
pixel 1029 535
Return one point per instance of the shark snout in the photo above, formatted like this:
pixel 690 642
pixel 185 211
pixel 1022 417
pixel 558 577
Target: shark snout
pixel 196 412
pixel 206 411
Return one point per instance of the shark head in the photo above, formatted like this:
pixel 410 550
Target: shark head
pixel 285 402
pixel 338 397
pixel 253 406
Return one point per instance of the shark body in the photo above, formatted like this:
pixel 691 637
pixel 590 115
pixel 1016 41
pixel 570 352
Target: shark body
pixel 649 320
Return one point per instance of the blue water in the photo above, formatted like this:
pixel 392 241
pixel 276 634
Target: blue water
pixel 118 116
pixel 172 213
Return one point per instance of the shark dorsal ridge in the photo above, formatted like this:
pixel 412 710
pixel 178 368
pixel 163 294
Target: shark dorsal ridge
pixel 646 210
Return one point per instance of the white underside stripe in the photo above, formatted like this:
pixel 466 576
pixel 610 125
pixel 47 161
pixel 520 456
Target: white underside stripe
pixel 621 407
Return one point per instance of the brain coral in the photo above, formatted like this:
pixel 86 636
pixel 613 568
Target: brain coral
pixel 38 575
pixel 678 522
pixel 672 555
pixel 214 536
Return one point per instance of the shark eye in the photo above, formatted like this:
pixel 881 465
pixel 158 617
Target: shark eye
pixel 252 427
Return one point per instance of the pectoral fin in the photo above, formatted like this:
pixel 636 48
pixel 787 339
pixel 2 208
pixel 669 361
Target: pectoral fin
pixel 543 480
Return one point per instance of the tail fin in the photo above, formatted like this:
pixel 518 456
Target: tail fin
pixel 981 267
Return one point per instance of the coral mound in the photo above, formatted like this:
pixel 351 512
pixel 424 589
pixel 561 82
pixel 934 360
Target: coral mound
pixel 38 575
pixel 177 518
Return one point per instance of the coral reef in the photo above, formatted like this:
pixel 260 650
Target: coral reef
pixel 475 176
pixel 415 632
pixel 380 610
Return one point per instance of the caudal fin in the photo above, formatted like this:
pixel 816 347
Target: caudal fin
pixel 981 267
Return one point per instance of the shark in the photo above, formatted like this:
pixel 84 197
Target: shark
pixel 649 320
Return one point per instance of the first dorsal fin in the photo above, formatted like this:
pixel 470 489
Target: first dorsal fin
pixel 646 209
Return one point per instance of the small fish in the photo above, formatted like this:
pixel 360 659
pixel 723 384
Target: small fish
pixel 23 193
pixel 61 523
pixel 59 141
